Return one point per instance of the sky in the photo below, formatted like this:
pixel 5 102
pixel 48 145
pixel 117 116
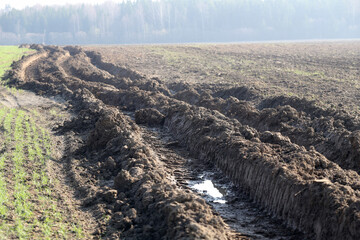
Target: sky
pixel 20 4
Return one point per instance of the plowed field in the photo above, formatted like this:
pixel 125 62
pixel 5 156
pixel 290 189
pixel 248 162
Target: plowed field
pixel 240 141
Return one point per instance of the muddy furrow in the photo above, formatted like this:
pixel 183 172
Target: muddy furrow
pixel 271 136
pixel 333 133
pixel 149 205
pixel 323 130
pixel 303 187
pixel 31 63
pixel 244 217
pixel 27 67
pixel 119 72
pixel 172 159
pixel 89 65
pixel 118 175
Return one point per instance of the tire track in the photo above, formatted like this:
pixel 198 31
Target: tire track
pixel 30 65
pixel 97 199
pixel 300 186
pixel 273 138
pixel 178 164
pixel 244 217
pixel 333 133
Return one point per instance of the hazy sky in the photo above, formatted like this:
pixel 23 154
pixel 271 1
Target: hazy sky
pixel 19 4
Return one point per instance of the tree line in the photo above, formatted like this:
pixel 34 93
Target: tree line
pixel 170 21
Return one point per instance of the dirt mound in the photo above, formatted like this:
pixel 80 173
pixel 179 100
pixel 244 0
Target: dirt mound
pixel 190 95
pixel 254 148
pixel 124 74
pixel 241 93
pixel 24 45
pixel 328 131
pixel 73 50
pixel 149 116
pixel 141 184
pixel 178 86
pixel 261 168
pixel 310 108
pixel 120 72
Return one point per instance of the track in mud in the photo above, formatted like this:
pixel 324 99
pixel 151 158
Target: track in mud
pixel 238 211
pixel 295 160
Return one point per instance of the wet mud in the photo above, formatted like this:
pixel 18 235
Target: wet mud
pixel 293 160
pixel 236 208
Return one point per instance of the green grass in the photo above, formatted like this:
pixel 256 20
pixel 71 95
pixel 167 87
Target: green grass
pixel 8 54
pixel 4 198
pixel 32 202
pixel 29 207
pixel 306 73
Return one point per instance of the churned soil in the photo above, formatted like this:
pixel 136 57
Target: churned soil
pixel 327 72
pixel 294 157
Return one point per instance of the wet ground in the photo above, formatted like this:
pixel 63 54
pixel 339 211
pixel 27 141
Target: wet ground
pixel 238 211
pixel 236 208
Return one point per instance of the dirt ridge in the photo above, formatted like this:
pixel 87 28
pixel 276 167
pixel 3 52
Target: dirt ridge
pixel 140 182
pixel 301 186
pixel 332 132
pixel 321 129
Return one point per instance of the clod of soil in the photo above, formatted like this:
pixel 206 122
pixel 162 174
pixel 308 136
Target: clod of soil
pixel 149 116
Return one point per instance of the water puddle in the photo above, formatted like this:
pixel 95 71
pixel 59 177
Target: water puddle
pixel 238 211
pixel 207 187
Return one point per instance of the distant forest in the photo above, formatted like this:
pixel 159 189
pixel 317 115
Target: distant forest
pixel 166 21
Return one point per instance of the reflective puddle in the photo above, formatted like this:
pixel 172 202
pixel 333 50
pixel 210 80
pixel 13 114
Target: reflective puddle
pixel 208 188
pixel 238 211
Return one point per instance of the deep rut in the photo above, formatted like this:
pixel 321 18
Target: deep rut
pixel 244 217
pixel 148 175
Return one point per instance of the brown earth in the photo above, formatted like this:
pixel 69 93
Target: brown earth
pixel 297 159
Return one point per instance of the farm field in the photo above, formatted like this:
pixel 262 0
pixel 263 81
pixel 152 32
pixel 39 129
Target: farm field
pixel 201 141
